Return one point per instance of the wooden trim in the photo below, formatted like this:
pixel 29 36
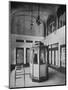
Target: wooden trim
pixel 32 64
pixel 47 55
pixel 53 44
pixel 15 76
pixel 26 54
pixel 51 55
pixel 60 56
pixel 39 61
pixel 54 57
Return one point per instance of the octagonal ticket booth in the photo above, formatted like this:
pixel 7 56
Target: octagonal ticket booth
pixel 39 62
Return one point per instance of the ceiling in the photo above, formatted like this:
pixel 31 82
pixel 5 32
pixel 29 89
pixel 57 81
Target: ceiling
pixel 28 9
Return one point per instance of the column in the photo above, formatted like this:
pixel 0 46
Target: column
pixel 59 55
pixel 38 56
pixel 39 61
pixel 24 53
pixel 46 28
pixel 14 55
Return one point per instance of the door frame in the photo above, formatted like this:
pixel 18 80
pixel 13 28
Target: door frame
pixel 27 64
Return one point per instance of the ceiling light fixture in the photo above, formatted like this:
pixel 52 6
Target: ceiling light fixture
pixel 38 21
pixel 32 17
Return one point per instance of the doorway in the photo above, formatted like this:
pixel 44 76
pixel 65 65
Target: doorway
pixel 19 56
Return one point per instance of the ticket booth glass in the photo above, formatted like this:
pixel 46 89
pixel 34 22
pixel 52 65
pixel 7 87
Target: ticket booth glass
pixel 27 56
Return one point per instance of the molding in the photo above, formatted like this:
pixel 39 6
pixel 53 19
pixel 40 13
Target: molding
pixel 27 37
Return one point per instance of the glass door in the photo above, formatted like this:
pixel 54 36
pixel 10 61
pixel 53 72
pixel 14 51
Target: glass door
pixel 19 55
pixel 27 56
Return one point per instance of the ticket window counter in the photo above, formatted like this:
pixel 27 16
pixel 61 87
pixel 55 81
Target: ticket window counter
pixel 39 62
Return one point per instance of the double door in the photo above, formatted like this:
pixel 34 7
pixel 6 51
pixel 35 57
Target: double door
pixel 21 56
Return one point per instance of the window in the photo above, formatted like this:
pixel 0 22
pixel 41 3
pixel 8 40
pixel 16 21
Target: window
pixel 53 54
pixel 42 60
pixel 35 60
pixel 29 41
pixel 62 57
pixel 19 40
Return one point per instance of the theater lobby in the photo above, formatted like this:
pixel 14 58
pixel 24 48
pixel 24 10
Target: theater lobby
pixel 37 51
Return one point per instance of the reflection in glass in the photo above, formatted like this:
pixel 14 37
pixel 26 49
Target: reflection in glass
pixel 20 56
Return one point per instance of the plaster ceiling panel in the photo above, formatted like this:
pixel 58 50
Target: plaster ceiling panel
pixel 25 11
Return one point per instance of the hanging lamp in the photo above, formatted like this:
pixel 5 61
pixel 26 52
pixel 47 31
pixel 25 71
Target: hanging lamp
pixel 32 17
pixel 38 21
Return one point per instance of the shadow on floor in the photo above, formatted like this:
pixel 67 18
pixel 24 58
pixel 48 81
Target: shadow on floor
pixel 51 75
pixel 60 69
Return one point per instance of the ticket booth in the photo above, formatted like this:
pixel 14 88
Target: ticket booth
pixel 39 62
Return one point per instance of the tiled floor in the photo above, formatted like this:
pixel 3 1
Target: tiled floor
pixel 55 78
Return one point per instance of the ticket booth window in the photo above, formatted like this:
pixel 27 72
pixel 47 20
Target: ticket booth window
pixel 42 54
pixel 35 59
